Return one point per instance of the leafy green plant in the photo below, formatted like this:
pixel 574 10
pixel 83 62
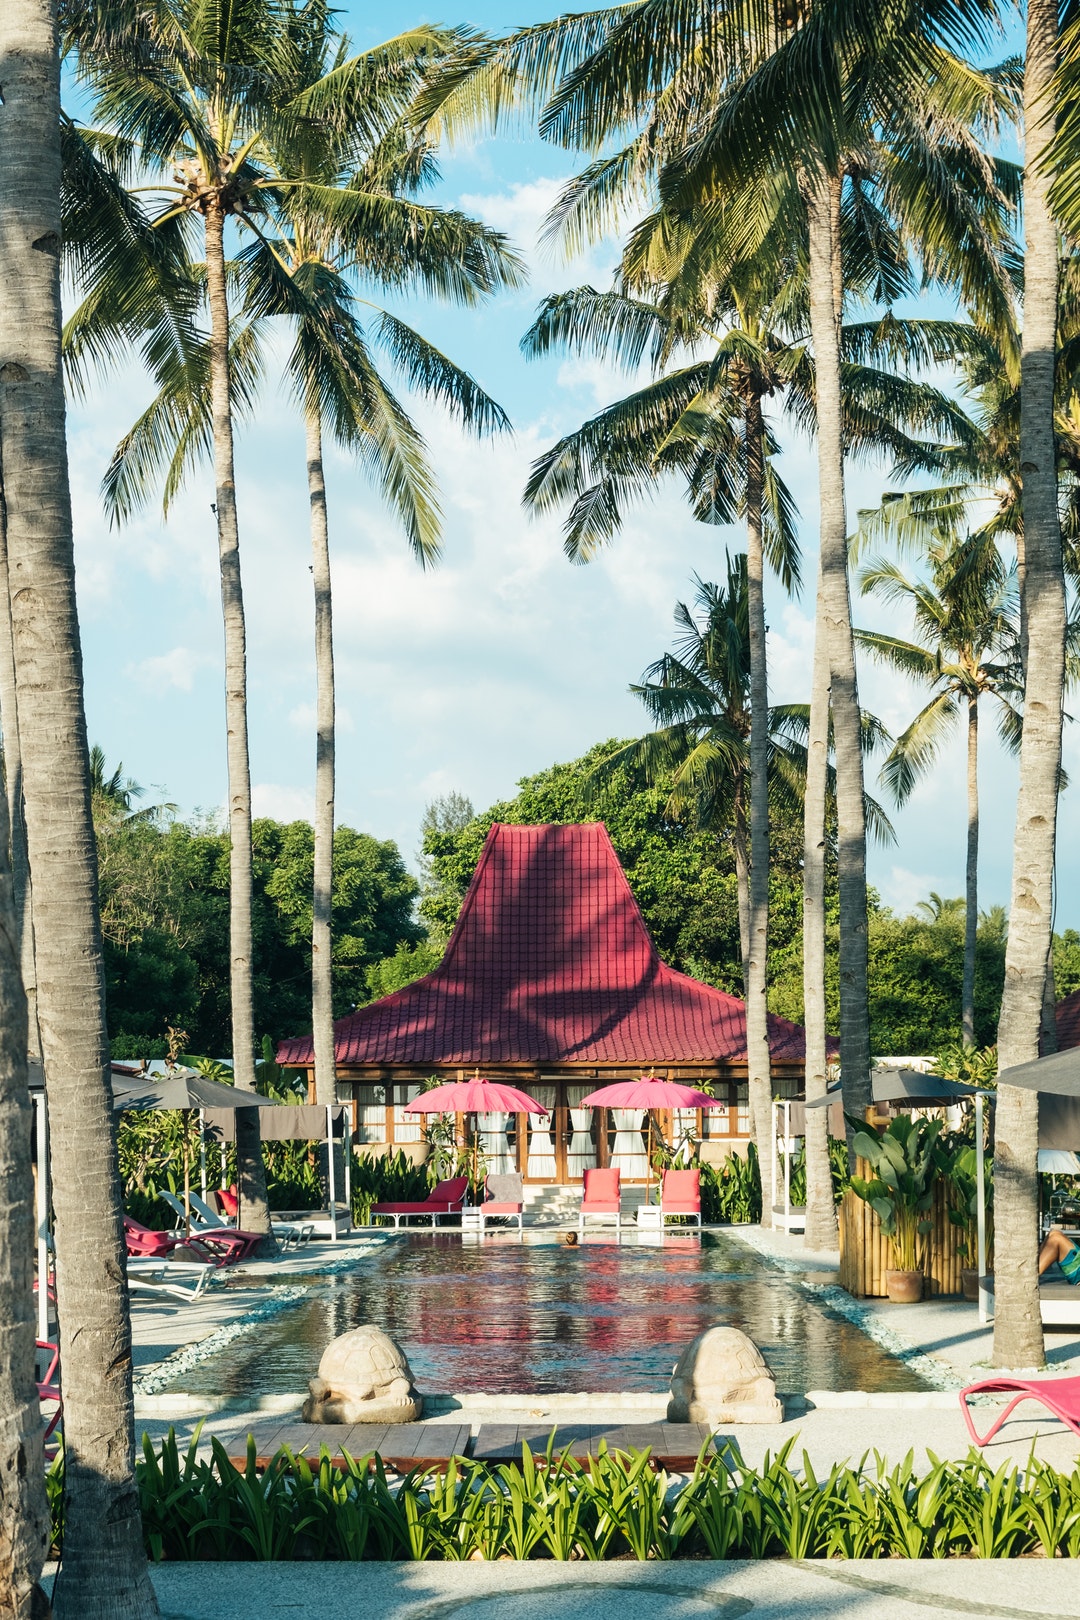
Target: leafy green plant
pixel 731 1192
pixel 901 1190
pixel 387 1178
pixel 554 1506
pixel 962 1193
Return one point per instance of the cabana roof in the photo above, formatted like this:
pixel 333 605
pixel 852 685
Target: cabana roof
pixel 550 963
pixel 1068 1022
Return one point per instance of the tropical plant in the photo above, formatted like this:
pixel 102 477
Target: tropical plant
pixel 905 1166
pixel 105 1574
pixel 959 1172
pixel 966 648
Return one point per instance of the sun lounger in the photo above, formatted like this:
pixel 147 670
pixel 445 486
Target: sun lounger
pixel 182 1279
pixel 1061 1396
pixel 680 1196
pixel 49 1397
pixel 600 1196
pixel 503 1197
pixel 446 1198
pixel 213 1234
pixel 143 1243
pixel 290 1234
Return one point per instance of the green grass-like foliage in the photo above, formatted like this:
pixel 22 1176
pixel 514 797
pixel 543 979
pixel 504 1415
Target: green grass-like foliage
pixel 387 1178
pixel 731 1192
pixel 554 1508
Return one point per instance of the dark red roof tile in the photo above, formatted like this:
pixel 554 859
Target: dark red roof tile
pixel 1068 1022
pixel 550 962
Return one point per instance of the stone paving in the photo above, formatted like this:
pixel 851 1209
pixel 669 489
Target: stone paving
pixel 1026 1589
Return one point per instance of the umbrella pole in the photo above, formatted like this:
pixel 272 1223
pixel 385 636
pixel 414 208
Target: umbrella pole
pixel 980 1207
pixel 187 1180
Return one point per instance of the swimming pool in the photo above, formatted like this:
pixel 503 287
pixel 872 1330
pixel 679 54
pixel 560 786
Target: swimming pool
pixel 503 1316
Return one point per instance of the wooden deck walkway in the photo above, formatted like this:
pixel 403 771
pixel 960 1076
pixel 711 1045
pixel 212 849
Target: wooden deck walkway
pixel 404 1446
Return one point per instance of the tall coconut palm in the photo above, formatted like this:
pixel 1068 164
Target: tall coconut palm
pixel 1018 1337
pixel 105 1570
pixel 865 109
pixel 329 231
pixel 966 649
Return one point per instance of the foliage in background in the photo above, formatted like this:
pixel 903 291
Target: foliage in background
pixel 408 963
pixel 165 905
pixel 731 1192
pixel 974 1065
pixel 206 1509
pixel 838 1164
pixel 386 1178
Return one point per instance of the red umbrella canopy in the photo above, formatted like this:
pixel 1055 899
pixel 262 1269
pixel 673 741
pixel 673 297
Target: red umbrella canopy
pixel 475 1097
pixel 649 1092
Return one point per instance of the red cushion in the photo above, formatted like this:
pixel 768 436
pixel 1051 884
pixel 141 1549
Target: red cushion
pixel 229 1202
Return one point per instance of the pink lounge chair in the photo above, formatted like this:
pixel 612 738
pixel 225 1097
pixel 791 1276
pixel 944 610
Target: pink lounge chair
pixel 503 1196
pixel 1061 1396
pixel 446 1198
pixel 219 1248
pixel 48 1388
pixel 600 1196
pixel 680 1195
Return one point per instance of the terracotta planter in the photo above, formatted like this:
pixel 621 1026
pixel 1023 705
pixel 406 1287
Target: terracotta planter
pixel 969 1282
pixel 904 1287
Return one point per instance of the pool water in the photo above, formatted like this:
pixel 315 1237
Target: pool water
pixel 537 1317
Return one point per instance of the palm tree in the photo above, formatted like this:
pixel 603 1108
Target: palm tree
pixel 331 225
pixel 1018 1337
pixel 105 1572
pixel 966 648
pixel 701 697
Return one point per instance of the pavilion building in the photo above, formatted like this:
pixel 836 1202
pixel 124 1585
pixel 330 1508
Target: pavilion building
pixel 551 982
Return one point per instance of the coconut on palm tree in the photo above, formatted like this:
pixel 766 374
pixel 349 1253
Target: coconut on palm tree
pixel 966 649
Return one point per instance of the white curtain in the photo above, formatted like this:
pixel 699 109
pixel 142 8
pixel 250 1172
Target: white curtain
pixel 370 1117
pixel 628 1154
pixel 684 1133
pixel 581 1154
pixel 408 1127
pixel 541 1161
pixel 493 1141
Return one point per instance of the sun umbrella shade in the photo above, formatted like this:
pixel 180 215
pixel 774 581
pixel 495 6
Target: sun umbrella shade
pixel 906 1085
pixel 475 1097
pixel 183 1089
pixel 650 1093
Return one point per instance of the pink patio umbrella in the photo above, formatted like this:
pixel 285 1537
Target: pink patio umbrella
pixel 475 1096
pixel 649 1092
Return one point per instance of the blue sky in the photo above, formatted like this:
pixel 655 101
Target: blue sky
pixel 499 662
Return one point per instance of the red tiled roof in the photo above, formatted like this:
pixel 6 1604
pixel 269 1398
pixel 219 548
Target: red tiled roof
pixel 1068 1022
pixel 550 962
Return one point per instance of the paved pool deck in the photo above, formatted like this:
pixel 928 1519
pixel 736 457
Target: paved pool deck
pixel 1025 1589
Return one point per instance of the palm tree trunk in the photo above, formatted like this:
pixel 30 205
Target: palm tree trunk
pixel 820 1231
pixel 742 885
pixel 20 863
pixel 1018 1336
pixel 971 894
pixel 322 1005
pixel 844 694
pixel 104 1575
pixel 759 1075
pixel 251 1174
pixel 24 1514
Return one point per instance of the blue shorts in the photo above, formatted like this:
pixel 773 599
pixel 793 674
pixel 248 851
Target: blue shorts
pixel 1070 1265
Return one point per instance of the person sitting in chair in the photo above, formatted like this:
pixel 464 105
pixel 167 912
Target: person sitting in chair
pixel 1056 1246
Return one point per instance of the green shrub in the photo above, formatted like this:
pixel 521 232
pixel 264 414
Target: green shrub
pixel 731 1192
pixel 385 1179
pixel 298 1508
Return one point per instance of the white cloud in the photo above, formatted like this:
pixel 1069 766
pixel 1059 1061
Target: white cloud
pixel 521 210
pixel 174 670
pixel 903 890
pixel 280 802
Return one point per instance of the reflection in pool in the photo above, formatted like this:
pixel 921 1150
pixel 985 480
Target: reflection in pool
pixel 536 1317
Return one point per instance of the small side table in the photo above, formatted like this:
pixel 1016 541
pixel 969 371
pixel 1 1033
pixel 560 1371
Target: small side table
pixel 650 1218
pixel 472 1219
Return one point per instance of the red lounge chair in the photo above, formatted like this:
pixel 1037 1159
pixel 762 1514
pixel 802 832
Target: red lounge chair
pixel 503 1196
pixel 219 1248
pixel 680 1195
pixel 600 1196
pixel 1061 1396
pixel 48 1389
pixel 444 1199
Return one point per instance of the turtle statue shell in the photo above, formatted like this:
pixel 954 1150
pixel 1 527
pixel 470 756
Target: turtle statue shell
pixel 363 1377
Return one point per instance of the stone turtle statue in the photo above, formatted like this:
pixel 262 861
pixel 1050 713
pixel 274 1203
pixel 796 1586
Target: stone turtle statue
pixel 363 1378
pixel 722 1378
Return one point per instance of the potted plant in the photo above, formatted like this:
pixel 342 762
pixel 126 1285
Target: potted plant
pixel 963 1212
pixel 905 1168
